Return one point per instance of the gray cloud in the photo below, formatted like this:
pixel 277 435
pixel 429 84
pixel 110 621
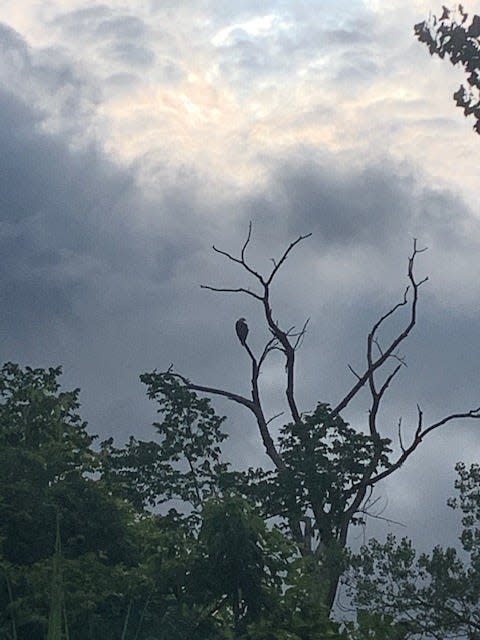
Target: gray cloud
pixel 124 27
pixel 48 81
pixel 119 38
pixel 103 277
pixel 130 54
pixel 62 218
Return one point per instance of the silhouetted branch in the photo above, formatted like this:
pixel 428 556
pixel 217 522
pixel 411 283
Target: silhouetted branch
pixel 300 335
pixel 400 438
pixel 282 337
pixel 420 434
pixel 353 371
pixel 284 257
pixel 235 397
pixel 249 235
pixel 277 415
pixel 225 290
pixel 374 364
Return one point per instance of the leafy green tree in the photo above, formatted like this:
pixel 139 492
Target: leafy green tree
pixel 81 557
pixel 321 472
pixel 163 539
pixel 183 464
pixel 456 36
pixel 434 595
pixel 46 477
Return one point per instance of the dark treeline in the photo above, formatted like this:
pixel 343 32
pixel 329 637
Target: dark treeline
pixel 91 547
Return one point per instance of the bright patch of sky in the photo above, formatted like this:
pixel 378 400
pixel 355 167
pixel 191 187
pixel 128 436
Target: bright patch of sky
pixel 220 87
pixel 258 26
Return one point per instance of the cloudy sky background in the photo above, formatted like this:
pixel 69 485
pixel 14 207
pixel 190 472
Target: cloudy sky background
pixel 134 135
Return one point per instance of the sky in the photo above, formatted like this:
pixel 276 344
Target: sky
pixel 136 134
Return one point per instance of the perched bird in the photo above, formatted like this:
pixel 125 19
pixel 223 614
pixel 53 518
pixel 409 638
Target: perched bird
pixel 241 327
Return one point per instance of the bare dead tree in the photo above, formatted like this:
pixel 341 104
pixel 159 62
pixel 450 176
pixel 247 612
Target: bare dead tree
pixel 377 376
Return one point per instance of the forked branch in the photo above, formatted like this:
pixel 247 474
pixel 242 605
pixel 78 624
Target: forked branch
pixel 375 363
pixel 357 491
pixel 283 339
pixel 420 434
pixel 253 405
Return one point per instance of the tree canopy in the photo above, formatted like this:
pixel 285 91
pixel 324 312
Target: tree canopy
pixel 165 538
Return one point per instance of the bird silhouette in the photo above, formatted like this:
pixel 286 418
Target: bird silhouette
pixel 241 327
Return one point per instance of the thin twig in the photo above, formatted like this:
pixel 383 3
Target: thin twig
pixel 277 415
pixel 284 257
pixel 400 439
pixel 419 436
pixel 373 364
pixel 353 371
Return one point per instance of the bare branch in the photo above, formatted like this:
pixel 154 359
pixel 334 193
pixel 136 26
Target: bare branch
pixel 240 261
pixel 419 436
pixel 257 408
pixel 353 371
pixel 284 256
pixel 272 345
pixel 249 235
pixel 395 356
pixel 225 290
pixel 277 415
pixel 253 405
pixel 372 364
pixel 282 337
pixel 473 413
pixel 400 439
pixel 289 352
pixel 389 379
pixel 383 518
pixel 300 335
pixel 419 421
pixel 369 503
pixel 235 397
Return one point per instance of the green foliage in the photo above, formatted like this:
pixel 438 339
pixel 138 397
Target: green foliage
pixel 83 558
pixel 235 543
pixel 46 467
pixel 468 486
pixel 184 464
pixel 376 626
pixel 455 36
pixel 57 614
pixel 325 459
pixel 37 417
pixel 430 595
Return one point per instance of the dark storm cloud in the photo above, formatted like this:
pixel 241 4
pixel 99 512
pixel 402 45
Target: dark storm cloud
pixel 103 278
pixel 88 269
pixel 46 80
pixel 346 206
pixel 60 214
pixel 367 206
